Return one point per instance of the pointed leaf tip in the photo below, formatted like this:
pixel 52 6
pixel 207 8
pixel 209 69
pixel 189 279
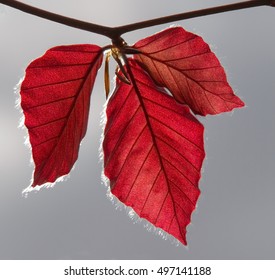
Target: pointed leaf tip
pixel 183 63
pixel 55 98
pixel 153 153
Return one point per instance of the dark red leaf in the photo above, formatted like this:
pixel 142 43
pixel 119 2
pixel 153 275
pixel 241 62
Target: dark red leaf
pixel 153 153
pixel 55 98
pixel 183 63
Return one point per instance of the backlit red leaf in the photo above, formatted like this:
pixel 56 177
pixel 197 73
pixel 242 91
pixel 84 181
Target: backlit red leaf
pixel 153 153
pixel 183 63
pixel 55 98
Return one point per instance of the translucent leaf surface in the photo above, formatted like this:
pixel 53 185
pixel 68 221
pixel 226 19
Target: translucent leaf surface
pixel 183 63
pixel 55 98
pixel 153 153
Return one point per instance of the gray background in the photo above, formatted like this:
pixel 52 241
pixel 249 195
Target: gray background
pixel 75 219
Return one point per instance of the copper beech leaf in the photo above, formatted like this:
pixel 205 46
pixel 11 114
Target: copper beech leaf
pixel 183 63
pixel 55 98
pixel 153 153
pixel 153 145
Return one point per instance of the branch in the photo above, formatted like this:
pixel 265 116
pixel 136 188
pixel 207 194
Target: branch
pixel 95 28
pixel 204 12
pixel 114 33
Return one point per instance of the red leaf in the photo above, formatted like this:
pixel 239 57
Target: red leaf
pixel 182 62
pixel 153 153
pixel 55 98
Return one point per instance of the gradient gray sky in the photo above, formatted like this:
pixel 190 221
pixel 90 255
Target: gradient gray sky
pixel 75 219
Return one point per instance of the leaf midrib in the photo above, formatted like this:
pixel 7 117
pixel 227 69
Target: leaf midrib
pixel 140 98
pixel 78 94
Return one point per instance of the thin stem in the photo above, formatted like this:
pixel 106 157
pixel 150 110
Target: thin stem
pixel 198 13
pixel 95 28
pixel 115 32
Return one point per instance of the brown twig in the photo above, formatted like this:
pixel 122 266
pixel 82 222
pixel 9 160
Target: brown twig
pixel 114 33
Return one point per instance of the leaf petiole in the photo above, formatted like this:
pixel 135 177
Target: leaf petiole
pixel 106 74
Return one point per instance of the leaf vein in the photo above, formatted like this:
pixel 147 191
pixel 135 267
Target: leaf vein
pixel 139 171
pixel 127 156
pixel 162 123
pixel 46 123
pixel 53 84
pixel 59 65
pixel 182 192
pixel 48 103
pixel 179 171
pixel 121 137
pixel 177 152
pixel 148 195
